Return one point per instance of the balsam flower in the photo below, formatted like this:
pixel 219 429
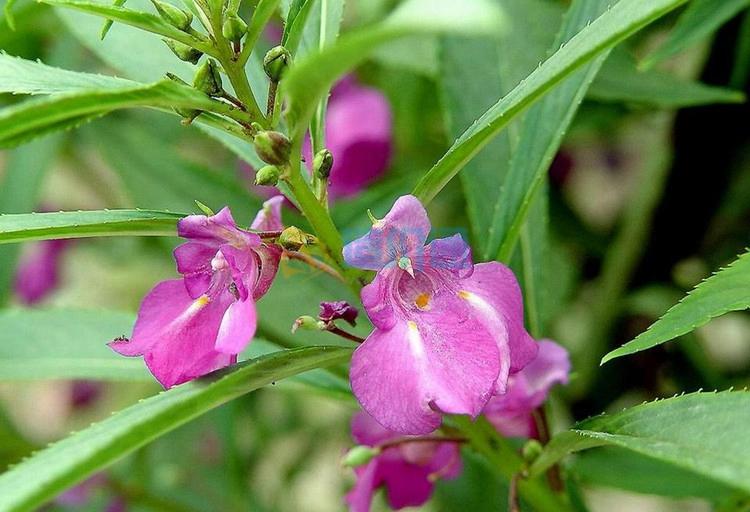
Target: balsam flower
pixel 512 412
pixel 189 327
pixel 407 470
pixel 448 333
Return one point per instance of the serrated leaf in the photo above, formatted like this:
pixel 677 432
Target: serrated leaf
pixel 34 117
pixel 727 290
pixel 702 432
pixel 620 80
pixel 700 19
pixel 311 77
pixel 67 462
pixel 623 19
pixel 48 226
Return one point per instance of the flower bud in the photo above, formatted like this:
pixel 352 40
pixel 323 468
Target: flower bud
pixel 268 175
pixel 307 323
pixel 276 61
pixel 531 450
pixel 173 15
pixel 322 163
pixel 359 456
pixel 183 51
pixel 272 147
pixel 293 239
pixel 234 28
pixel 208 79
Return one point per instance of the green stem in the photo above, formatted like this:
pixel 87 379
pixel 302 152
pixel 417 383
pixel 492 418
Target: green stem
pixel 507 464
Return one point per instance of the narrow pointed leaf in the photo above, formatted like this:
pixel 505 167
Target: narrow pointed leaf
pixel 727 290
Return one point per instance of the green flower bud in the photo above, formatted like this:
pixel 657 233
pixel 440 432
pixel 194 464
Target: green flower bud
pixel 293 239
pixel 307 323
pixel 268 175
pixel 173 15
pixel 187 114
pixel 183 51
pixel 359 456
pixel 234 28
pixel 272 147
pixel 322 163
pixel 276 61
pixel 208 79
pixel 531 450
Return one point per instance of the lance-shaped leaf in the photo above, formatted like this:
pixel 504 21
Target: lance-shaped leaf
pixel 702 432
pixel 622 20
pixel 727 290
pixel 67 462
pixel 23 227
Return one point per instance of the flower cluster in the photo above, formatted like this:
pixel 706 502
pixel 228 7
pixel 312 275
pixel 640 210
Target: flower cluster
pixel 191 326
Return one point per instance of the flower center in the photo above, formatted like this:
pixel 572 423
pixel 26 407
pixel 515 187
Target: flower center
pixel 422 301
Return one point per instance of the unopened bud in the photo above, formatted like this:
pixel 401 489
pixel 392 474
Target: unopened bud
pixel 359 456
pixel 293 239
pixel 323 163
pixel 173 15
pixel 531 450
pixel 208 79
pixel 276 61
pixel 188 115
pixel 234 28
pixel 272 147
pixel 183 51
pixel 268 175
pixel 307 323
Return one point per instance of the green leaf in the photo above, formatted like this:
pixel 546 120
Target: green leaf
pixel 262 13
pixel 142 20
pixel 33 118
pixel 700 19
pixel 20 187
pixel 702 432
pixel 620 80
pixel 81 224
pixel 66 344
pixel 311 77
pixel 727 290
pixel 296 21
pixel 622 20
pixel 63 464
pixel 21 76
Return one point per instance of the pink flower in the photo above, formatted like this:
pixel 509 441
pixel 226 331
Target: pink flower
pixel 448 333
pixel 406 471
pixel 189 327
pixel 512 413
pixel 338 310
pixel 269 217
pixel 81 495
pixel 38 272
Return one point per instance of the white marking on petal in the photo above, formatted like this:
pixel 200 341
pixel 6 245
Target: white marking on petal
pixel 415 341
pixel 495 324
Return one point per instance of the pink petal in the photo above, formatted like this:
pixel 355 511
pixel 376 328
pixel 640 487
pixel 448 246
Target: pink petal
pixel 270 256
pixel 269 217
pixel 360 497
pixel 194 263
pixel 237 327
pixel 367 431
pixel 407 485
pixel 450 254
pixel 38 272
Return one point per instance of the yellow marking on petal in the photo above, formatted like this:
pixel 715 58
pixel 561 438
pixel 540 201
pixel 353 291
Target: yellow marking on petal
pixel 422 301
pixel 412 326
pixel 202 300
pixel 465 295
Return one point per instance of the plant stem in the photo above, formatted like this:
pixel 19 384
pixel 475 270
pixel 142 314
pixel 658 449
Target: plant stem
pixel 346 335
pixel 426 439
pixel 543 431
pixel 314 263
pixel 506 463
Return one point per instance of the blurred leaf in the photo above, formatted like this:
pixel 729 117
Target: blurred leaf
pixel 308 80
pixel 622 20
pixel 20 187
pixel 33 118
pixel 621 81
pixel 699 20
pixel 727 290
pixel 294 24
pixel 631 471
pixel 21 76
pixel 82 224
pixel 67 462
pixel 741 68
pixel 65 344
pixel 701 432
pixel 142 20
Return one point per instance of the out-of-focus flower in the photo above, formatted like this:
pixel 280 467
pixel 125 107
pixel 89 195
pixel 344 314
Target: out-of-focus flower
pixel 448 333
pixel 38 271
pixel 83 393
pixel 187 328
pixel 512 412
pixel 407 470
pixel 340 309
pixel 80 495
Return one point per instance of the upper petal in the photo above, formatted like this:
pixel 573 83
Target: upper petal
pixel 498 290
pixel 402 232
pixel 551 366
pixel 269 217
pixel 216 229
pixel 450 254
